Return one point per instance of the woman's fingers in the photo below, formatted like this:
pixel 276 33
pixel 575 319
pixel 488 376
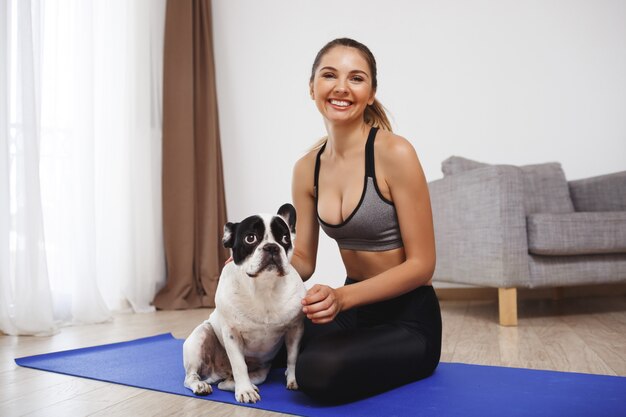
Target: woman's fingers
pixel 320 304
pixel 316 294
pixel 323 321
pixel 328 311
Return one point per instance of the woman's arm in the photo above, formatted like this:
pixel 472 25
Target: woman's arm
pixel 409 190
pixel 307 228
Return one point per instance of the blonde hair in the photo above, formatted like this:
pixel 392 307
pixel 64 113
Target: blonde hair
pixel 375 114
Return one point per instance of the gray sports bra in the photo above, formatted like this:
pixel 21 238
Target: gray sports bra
pixel 373 225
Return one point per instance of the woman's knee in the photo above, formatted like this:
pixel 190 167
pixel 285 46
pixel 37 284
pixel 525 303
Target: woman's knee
pixel 319 375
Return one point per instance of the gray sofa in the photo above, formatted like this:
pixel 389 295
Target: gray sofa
pixel 513 227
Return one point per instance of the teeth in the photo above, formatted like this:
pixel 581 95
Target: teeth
pixel 340 103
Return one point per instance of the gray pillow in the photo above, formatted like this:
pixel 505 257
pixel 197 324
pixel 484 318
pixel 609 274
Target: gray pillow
pixel 545 187
pixel 457 164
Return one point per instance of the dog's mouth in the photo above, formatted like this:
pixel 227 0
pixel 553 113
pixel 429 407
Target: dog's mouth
pixel 270 263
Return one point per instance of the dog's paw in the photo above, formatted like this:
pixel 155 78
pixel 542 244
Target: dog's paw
pixel 247 394
pixel 201 388
pixel 292 384
pixel 291 380
pixel 227 385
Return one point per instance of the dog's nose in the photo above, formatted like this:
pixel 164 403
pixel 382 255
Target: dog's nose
pixel 272 248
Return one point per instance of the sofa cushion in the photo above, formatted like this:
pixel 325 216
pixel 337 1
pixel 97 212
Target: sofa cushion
pixel 457 164
pixel 545 187
pixel 601 193
pixel 577 233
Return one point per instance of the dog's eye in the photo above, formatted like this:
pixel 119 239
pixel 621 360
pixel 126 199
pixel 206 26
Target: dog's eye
pixel 250 239
pixel 286 239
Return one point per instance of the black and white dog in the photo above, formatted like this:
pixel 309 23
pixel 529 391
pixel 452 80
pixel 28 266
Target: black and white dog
pixel 257 306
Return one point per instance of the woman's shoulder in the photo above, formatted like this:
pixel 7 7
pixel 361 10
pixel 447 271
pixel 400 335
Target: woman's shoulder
pixel 304 169
pixel 398 160
pixel 307 161
pixel 393 149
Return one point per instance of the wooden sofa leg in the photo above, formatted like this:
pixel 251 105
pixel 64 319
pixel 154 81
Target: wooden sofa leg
pixel 507 303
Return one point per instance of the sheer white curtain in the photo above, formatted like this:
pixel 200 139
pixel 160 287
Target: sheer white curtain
pixel 26 304
pixel 80 141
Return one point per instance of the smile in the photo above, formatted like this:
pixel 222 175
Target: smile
pixel 340 103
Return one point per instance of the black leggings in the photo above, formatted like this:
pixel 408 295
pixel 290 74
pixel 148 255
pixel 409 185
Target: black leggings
pixel 371 349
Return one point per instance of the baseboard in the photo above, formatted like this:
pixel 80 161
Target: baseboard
pixel 485 293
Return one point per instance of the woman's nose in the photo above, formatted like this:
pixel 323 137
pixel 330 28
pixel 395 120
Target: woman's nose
pixel 340 87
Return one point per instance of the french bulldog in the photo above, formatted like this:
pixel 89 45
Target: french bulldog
pixel 257 307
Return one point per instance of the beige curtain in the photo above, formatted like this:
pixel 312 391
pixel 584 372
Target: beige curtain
pixel 194 209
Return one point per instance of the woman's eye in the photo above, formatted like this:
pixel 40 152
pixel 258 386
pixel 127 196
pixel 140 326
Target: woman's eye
pixel 328 75
pixel 357 79
pixel 285 240
pixel 250 239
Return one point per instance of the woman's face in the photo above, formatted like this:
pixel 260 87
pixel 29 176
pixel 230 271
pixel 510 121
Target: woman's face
pixel 342 85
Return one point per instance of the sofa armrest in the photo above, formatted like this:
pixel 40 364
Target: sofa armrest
pixel 480 227
pixel 602 193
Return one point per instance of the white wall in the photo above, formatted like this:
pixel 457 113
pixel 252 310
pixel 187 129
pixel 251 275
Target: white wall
pixel 498 81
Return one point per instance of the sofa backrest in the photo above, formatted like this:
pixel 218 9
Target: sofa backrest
pixel 602 193
pixel 545 187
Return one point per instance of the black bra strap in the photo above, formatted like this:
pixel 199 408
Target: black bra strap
pixel 369 153
pixel 317 168
pixel 369 158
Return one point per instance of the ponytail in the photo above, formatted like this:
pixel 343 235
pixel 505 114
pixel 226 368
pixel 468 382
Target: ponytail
pixel 376 116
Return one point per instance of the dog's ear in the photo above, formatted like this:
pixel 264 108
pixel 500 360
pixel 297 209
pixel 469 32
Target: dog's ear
pixel 288 213
pixel 229 234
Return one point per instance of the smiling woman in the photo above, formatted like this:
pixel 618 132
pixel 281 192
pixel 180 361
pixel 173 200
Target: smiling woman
pixel 365 187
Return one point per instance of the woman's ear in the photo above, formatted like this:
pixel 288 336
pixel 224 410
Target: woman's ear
pixel 372 98
pixel 311 91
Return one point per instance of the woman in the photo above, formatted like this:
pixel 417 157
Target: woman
pixel 365 187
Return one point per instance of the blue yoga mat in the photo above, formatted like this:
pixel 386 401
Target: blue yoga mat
pixel 453 390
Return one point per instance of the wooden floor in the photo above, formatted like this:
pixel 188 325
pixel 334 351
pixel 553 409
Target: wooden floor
pixel 575 334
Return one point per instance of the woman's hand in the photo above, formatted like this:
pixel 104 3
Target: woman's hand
pixel 321 304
